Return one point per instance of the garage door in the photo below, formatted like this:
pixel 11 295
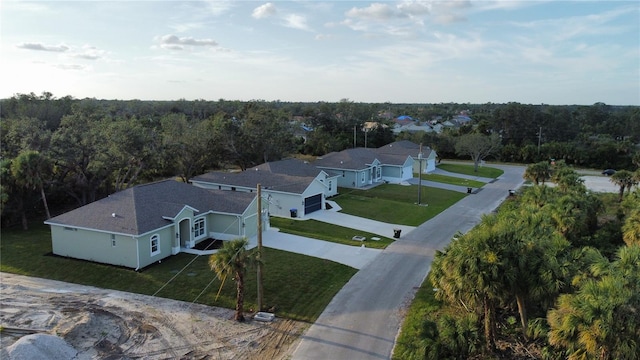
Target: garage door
pixel 312 203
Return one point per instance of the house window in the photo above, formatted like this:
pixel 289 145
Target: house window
pixel 362 177
pixel 155 245
pixel 378 172
pixel 70 229
pixel 113 240
pixel 233 188
pixel 330 185
pixel 198 228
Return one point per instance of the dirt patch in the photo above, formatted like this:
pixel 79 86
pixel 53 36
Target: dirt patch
pixel 109 324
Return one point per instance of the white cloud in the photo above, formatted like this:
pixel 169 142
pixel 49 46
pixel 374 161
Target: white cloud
pixel 70 66
pixel 173 42
pixel 264 11
pixel 296 22
pixel 375 11
pixel 43 47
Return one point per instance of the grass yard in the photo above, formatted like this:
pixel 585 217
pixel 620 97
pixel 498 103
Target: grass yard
pixel 298 286
pixel 483 171
pixel 409 343
pixel 452 180
pixel 324 231
pixel 396 204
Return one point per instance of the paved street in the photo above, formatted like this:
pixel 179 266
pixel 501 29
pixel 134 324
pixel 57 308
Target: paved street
pixel 363 319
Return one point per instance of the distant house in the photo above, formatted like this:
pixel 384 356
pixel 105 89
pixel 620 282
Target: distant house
pixel 360 167
pixel 142 225
pixel 408 148
pixel 287 185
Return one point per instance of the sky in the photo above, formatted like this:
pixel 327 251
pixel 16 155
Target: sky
pixel 462 51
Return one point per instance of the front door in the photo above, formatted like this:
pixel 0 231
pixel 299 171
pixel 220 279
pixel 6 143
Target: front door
pixel 185 234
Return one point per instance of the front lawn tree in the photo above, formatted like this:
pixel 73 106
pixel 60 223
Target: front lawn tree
pixel 232 260
pixel 477 146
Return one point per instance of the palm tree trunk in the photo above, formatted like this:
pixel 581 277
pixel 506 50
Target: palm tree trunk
pixel 489 325
pixel 239 296
pixel 522 310
pixel 44 201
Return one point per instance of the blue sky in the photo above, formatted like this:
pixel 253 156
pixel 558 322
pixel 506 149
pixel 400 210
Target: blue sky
pixel 552 52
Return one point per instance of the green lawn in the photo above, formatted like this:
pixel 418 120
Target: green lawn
pixel 483 171
pixel 299 286
pixel 324 231
pixel 452 180
pixel 396 204
pixel 408 345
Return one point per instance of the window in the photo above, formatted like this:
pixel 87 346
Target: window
pixel 113 240
pixel 362 177
pixel 198 228
pixel 378 172
pixel 155 245
pixel 330 185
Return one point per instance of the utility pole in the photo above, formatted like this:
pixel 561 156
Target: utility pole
pixel 354 136
pixel 420 175
pixel 539 139
pixel 259 257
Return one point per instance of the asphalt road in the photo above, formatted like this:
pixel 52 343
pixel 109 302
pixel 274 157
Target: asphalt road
pixel 363 319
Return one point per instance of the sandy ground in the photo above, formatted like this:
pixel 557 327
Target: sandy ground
pixel 108 324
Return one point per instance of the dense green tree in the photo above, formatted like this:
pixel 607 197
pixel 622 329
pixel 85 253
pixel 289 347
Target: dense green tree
pixel 79 152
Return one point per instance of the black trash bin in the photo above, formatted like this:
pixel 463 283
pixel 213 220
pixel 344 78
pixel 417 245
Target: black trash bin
pixel 396 233
pixel 469 190
pixel 294 212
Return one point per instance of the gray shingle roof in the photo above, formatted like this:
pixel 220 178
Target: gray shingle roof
pixel 358 159
pixel 404 147
pixel 290 175
pixel 292 167
pixel 141 209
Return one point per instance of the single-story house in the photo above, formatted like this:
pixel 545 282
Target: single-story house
pixel 290 187
pixel 362 167
pixel 144 224
pixel 408 148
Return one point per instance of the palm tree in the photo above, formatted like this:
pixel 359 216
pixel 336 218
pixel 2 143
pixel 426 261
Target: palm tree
pixel 624 179
pixel 28 169
pixel 232 260
pixel 538 172
pixel 601 319
pixel 631 228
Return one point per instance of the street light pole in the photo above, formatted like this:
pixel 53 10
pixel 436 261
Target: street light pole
pixel 420 175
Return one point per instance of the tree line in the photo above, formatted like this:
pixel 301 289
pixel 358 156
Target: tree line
pixel 74 151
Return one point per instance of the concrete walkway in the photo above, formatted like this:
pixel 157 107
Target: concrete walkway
pixel 355 256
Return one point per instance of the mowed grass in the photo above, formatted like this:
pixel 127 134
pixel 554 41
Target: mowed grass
pixel 296 286
pixel 396 204
pixel 328 232
pixel 452 180
pixel 408 345
pixel 483 171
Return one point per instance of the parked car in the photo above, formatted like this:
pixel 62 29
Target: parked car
pixel 608 172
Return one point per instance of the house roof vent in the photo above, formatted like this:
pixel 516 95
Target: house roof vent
pixel 113 215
